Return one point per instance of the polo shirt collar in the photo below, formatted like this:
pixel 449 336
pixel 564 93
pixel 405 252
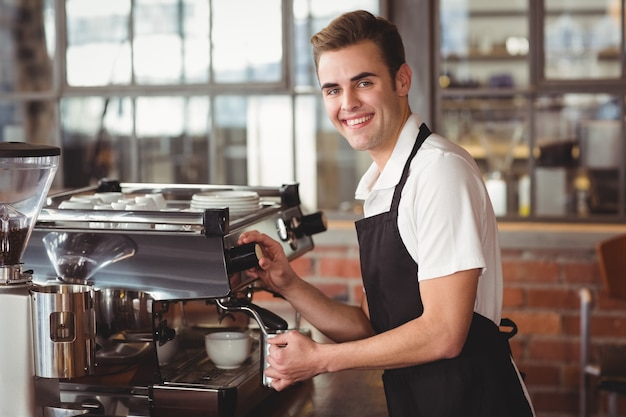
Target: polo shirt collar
pixel 373 179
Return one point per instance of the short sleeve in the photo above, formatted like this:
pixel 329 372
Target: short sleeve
pixel 442 206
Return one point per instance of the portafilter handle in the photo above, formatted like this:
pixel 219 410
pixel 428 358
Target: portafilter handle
pixel 240 258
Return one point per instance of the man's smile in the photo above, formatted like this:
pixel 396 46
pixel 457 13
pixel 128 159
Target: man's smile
pixel 358 121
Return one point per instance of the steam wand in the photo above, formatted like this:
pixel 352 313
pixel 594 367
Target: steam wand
pixel 269 323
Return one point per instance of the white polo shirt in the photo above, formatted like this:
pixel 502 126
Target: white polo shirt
pixel 445 217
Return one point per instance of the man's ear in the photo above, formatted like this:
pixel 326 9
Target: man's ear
pixel 403 80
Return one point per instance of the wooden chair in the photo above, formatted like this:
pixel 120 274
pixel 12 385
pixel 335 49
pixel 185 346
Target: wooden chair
pixel 609 365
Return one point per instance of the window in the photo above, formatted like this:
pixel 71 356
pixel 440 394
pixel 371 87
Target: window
pixel 177 91
pixel 535 91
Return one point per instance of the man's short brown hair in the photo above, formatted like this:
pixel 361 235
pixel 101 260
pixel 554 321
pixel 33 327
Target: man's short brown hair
pixel 358 26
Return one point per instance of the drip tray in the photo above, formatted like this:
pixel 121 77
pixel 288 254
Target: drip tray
pixel 196 369
pixel 195 387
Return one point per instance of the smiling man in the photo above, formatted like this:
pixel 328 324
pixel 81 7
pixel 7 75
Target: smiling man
pixel 429 249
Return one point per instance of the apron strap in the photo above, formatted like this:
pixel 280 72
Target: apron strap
pixel 424 132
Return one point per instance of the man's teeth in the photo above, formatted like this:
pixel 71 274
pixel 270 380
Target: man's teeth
pixel 353 122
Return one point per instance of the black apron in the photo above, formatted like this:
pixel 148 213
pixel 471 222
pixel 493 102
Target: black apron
pixel 481 381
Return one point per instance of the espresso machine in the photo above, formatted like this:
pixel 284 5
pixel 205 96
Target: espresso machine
pixel 151 269
pixel 26 173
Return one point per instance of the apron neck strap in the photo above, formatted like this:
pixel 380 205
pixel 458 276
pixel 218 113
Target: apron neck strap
pixel 424 132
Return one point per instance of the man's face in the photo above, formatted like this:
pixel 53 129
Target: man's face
pixel 361 100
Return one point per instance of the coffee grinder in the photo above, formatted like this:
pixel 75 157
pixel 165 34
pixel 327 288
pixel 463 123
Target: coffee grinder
pixel 26 173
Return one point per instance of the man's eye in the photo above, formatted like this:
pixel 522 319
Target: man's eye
pixel 364 83
pixel 332 91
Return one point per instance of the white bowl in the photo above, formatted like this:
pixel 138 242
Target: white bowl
pixel 228 350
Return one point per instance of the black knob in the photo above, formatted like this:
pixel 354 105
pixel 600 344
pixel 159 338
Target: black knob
pixel 240 258
pixel 310 224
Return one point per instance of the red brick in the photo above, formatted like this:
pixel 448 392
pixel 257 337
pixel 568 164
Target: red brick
pixel 340 267
pixel 303 266
pixel 581 273
pixel 540 375
pixel 553 298
pixel 604 325
pixel 518 346
pixel 513 297
pixel 571 324
pixel 556 350
pixel 571 376
pixel 535 323
pixel 530 271
pixel 605 302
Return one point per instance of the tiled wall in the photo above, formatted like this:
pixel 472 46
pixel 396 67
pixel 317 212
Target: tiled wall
pixel 540 295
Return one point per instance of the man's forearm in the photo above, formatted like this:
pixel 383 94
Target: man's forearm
pixel 338 321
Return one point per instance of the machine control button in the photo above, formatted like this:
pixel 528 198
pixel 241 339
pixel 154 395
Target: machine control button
pixel 281 228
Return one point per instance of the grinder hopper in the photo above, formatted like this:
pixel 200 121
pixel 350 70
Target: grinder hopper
pixel 26 173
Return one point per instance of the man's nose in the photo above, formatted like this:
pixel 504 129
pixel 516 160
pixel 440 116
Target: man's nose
pixel 350 101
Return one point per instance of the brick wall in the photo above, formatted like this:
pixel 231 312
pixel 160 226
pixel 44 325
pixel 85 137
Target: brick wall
pixel 540 295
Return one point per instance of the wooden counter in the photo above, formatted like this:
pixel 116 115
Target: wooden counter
pixel 345 393
pixel 513 235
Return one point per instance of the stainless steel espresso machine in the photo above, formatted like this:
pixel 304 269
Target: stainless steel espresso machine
pixel 129 278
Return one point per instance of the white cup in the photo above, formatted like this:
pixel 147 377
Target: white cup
pixel 167 351
pixel 158 199
pixel 109 197
pixel 149 203
pixel 116 205
pixel 228 350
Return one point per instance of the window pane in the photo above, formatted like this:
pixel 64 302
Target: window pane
pixel 170 150
pixel 229 148
pixel 582 39
pixel 484 44
pixel 157 45
pixel 148 139
pixel 98 47
pixel 254 140
pixel 495 131
pixel 578 154
pixel 93 130
pixel 27 45
pixel 269 140
pixel 12 123
pixel 247 47
pixel 32 121
pixel 196 48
